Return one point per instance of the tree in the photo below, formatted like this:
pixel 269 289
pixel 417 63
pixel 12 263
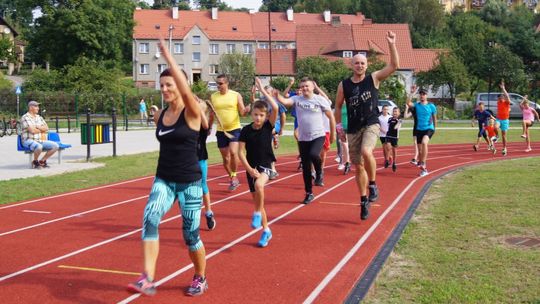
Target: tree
pixel 277 5
pixel 494 12
pixel 240 70
pixel 392 86
pixel 181 4
pixel 6 50
pixel 326 73
pixel 208 4
pixel 449 71
pixel 97 29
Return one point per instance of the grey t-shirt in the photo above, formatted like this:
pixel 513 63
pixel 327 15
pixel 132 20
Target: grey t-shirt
pixel 309 113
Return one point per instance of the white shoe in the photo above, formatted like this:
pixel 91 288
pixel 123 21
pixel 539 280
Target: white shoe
pixel 423 173
pixel 528 150
pixel 337 159
pixel 523 136
pixel 341 167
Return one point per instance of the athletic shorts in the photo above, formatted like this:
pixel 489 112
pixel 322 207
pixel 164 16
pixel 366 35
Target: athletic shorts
pixel 420 135
pixel 277 126
pixel 481 131
pixel 223 141
pixel 251 181
pixel 504 124
pixel 326 145
pixel 382 139
pixel 364 138
pixel 392 141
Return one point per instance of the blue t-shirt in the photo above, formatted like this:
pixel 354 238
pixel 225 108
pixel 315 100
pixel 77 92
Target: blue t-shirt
pixel 424 114
pixel 482 117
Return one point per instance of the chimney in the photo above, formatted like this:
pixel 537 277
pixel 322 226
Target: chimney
pixel 290 14
pixel 336 21
pixel 175 12
pixel 327 16
pixel 214 13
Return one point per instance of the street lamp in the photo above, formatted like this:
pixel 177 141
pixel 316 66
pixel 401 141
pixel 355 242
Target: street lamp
pixel 491 44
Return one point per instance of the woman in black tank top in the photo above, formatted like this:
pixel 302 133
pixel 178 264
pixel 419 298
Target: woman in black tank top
pixel 178 176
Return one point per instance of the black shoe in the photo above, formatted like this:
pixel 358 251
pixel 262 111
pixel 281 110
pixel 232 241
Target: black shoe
pixel 373 193
pixel 210 221
pixel 364 210
pixel 43 163
pixel 36 164
pixel 394 167
pixel 347 168
pixel 319 180
pixel 386 164
pixel 309 198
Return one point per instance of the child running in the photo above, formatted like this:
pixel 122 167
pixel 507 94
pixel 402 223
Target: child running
pixel 256 140
pixel 528 120
pixel 410 112
pixel 392 135
pixel 491 133
pixel 383 122
pixel 426 115
pixel 482 116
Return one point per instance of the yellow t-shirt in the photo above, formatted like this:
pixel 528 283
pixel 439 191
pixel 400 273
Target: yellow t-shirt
pixel 226 106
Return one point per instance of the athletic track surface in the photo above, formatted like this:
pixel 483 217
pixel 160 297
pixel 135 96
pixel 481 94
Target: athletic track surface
pixel 84 246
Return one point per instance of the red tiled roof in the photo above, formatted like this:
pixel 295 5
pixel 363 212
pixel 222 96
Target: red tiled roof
pixel 220 29
pixel 312 40
pixel 283 61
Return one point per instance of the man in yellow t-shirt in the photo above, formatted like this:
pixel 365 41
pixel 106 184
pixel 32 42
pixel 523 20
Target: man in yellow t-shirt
pixel 229 105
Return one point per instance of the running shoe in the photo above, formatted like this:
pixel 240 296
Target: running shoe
pixel 494 151
pixel 504 151
pixel 308 199
pixel 43 163
pixel 337 159
pixel 319 180
pixel 523 136
pixel 347 168
pixel 475 147
pixel 423 172
pixel 490 148
pixel 265 238
pixel 234 184
pixel 413 161
pixel 341 167
pixel 528 150
pixel 210 221
pixel 272 174
pixel 143 286
pixel 256 220
pixel 364 209
pixel 386 163
pixel 394 167
pixel 198 286
pixel 373 193
pixel 495 139
pixel 420 164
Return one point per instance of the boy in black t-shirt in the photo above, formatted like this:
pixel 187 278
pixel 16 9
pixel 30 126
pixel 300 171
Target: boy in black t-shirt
pixel 256 140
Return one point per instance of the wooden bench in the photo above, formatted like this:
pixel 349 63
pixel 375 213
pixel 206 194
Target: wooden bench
pixel 52 136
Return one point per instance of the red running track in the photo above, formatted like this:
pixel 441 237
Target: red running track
pixel 84 246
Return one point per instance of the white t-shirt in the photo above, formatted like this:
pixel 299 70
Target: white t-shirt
pixel 383 121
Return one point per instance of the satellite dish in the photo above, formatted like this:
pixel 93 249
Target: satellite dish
pixel 7 30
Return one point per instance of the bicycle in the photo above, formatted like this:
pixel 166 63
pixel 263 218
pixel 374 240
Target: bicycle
pixel 10 127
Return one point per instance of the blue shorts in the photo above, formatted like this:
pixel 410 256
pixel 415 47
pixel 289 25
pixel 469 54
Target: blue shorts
pixel 481 131
pixel 504 124
pixel 277 126
pixel 161 199
pixel 223 141
pixel 44 145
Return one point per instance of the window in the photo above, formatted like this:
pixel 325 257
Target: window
pixel 347 54
pixel 161 67
pixel 196 56
pixel 144 47
pixel 213 69
pixel 196 39
pixel 231 48
pixel 263 45
pixel 178 48
pixel 280 46
pixel 214 48
pixel 248 49
pixel 143 69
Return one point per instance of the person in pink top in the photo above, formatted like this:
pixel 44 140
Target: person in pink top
pixel 528 120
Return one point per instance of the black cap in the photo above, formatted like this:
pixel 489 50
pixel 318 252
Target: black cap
pixel 422 91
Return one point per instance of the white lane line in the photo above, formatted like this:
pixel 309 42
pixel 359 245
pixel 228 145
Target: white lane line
pixel 315 293
pixel 36 211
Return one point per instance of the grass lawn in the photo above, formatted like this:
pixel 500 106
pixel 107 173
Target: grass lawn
pixel 454 250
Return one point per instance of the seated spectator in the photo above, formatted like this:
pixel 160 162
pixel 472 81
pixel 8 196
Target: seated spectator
pixel 34 136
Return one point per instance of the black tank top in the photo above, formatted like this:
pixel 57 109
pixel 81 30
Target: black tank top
pixel 362 101
pixel 178 160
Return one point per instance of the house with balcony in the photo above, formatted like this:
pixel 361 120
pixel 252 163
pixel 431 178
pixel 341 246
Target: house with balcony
pixel 8 32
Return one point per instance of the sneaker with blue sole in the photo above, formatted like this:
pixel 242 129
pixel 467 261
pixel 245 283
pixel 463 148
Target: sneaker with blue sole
pixel 256 220
pixel 266 236
pixel 198 286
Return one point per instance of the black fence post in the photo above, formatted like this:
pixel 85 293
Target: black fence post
pixel 69 124
pixel 114 131
pixel 56 122
pixel 88 130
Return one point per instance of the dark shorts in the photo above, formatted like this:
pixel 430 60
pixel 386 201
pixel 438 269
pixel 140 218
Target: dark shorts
pixel 392 141
pixel 482 131
pixel 223 141
pixel 382 139
pixel 251 180
pixel 420 135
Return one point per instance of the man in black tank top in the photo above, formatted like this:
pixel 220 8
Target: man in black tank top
pixel 361 96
